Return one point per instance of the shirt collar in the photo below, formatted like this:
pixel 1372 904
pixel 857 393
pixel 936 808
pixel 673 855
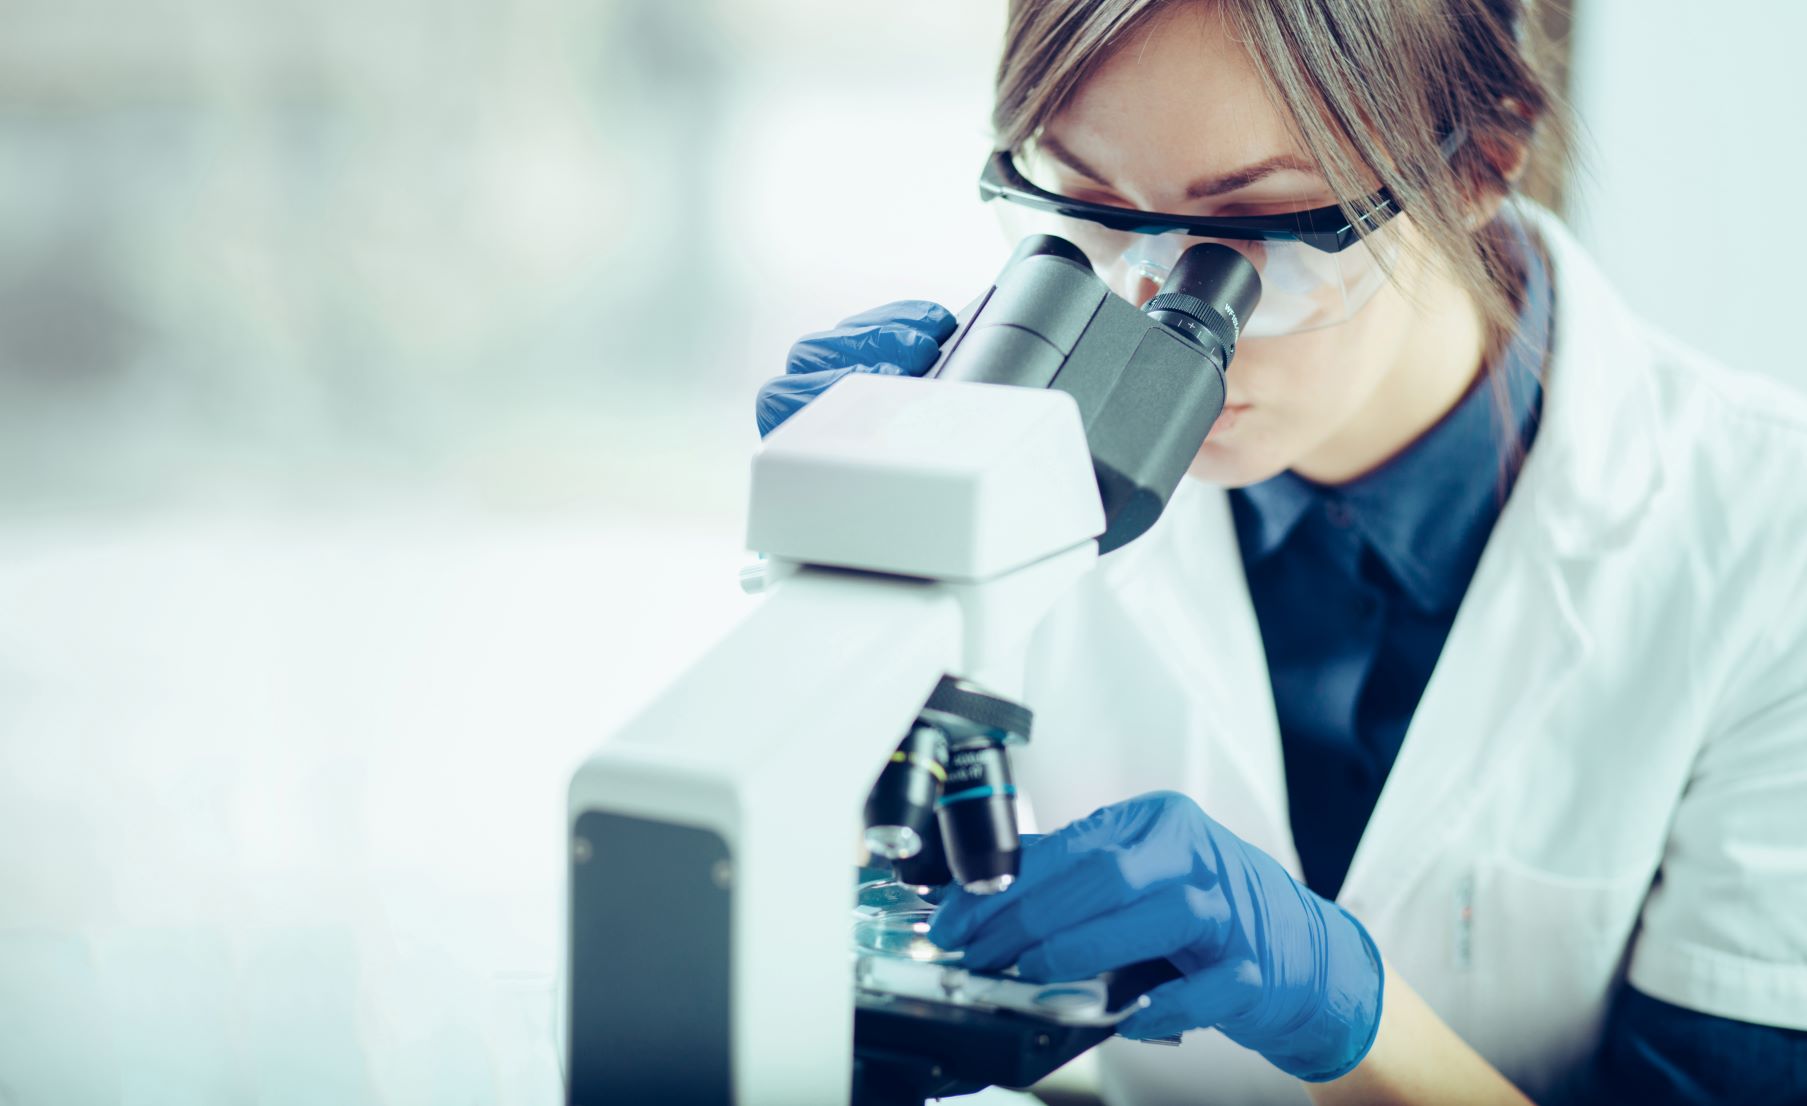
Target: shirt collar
pixel 1428 511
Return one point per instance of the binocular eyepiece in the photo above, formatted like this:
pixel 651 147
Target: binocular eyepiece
pixel 944 808
pixel 1149 382
pixel 1206 297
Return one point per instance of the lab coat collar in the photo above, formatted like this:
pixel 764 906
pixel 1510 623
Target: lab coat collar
pixel 1596 462
pixel 1589 480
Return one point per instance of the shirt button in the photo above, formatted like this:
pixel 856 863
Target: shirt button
pixel 1339 514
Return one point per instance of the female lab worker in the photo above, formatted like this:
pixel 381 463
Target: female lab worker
pixel 1463 684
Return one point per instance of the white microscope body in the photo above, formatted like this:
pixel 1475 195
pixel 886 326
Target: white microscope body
pixel 914 528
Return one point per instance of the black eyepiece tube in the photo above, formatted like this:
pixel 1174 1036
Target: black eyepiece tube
pixel 1208 297
pixel 1051 245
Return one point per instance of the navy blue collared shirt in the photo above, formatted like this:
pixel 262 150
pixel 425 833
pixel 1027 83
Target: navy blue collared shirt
pixel 1355 588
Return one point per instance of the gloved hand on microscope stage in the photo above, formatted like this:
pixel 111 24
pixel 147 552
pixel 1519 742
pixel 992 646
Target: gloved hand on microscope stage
pixel 1272 965
pixel 897 339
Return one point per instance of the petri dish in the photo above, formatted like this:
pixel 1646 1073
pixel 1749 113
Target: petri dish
pixel 887 896
pixel 901 935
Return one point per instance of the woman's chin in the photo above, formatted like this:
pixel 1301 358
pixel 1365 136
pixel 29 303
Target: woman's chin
pixel 1229 460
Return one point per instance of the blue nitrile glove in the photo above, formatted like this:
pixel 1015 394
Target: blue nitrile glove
pixel 1273 966
pixel 898 339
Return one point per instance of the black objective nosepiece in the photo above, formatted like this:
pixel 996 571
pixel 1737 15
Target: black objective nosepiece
pixel 1209 297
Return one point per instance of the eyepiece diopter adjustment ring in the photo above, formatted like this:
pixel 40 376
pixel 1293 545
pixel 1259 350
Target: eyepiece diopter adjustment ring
pixel 963 701
pixel 1214 318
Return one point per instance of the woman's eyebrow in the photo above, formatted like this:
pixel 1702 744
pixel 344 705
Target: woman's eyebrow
pixel 1069 159
pixel 1247 175
pixel 1198 189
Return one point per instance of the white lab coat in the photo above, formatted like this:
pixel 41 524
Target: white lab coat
pixel 1608 769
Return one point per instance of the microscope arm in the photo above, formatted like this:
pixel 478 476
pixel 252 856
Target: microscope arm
pixel 713 835
pixel 712 842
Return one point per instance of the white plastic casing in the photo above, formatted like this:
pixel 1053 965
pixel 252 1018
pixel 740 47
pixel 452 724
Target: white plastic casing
pixel 947 480
pixel 973 508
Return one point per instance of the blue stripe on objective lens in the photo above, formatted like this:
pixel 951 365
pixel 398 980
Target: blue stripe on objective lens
pixel 985 792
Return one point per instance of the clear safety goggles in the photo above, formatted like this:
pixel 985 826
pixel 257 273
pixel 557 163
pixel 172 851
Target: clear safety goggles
pixel 1317 268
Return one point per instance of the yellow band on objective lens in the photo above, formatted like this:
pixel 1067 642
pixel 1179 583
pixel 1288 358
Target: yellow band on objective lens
pixel 934 768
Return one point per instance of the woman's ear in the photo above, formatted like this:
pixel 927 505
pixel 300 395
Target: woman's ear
pixel 1507 154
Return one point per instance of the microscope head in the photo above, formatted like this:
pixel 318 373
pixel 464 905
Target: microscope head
pixel 1149 383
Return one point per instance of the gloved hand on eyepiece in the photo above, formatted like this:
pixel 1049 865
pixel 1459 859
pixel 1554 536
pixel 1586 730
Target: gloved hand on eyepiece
pixel 1272 965
pixel 898 339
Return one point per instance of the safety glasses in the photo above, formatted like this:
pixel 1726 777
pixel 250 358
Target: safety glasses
pixel 1317 266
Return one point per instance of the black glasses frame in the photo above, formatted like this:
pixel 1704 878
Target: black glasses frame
pixel 1325 228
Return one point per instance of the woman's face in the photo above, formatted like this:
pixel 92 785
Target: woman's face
pixel 1182 103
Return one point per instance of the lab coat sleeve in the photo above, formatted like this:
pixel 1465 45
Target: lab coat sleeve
pixel 1725 928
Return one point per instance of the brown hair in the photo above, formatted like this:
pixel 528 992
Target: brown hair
pixel 1373 87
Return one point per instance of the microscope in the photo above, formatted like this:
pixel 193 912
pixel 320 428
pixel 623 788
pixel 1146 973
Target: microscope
pixel 915 533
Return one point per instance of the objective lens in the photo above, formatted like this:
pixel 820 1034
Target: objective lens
pixel 901 806
pixel 978 817
pixel 893 842
pixel 928 868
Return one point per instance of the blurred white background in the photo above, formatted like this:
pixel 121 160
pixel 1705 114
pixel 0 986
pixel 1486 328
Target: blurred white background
pixel 1691 154
pixel 375 397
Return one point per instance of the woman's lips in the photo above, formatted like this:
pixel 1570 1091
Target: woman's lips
pixel 1228 417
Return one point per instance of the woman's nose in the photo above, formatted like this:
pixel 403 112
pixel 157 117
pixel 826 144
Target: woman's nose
pixel 1142 288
